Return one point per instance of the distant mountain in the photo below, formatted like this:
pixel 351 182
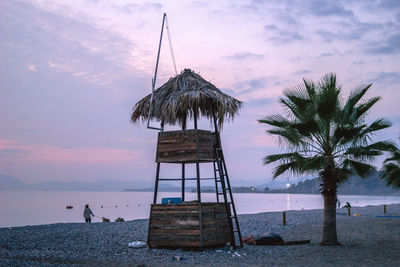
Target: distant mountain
pixel 261 184
pixel 372 185
pixel 11 183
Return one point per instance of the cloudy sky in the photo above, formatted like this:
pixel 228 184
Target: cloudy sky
pixel 71 71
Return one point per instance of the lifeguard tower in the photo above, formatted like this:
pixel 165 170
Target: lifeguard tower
pixel 185 97
pixel 197 223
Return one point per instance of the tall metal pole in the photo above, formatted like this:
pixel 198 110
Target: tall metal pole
pixel 155 75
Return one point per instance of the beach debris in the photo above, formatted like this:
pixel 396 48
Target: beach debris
pixel 119 219
pixel 137 244
pixel 68 207
pixel 105 219
pixel 234 254
pixel 178 258
pixel 237 254
pixel 263 239
pixel 270 239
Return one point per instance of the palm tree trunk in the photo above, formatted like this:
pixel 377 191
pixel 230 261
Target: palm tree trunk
pixel 329 189
pixel 329 236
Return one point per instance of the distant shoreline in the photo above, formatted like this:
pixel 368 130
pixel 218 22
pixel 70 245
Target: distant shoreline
pixel 277 191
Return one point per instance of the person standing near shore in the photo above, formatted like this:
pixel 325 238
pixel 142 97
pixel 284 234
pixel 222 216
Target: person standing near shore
pixel 86 214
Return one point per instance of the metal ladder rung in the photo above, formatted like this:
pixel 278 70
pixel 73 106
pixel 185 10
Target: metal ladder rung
pixel 186 179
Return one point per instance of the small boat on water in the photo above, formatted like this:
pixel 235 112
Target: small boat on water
pixel 69 207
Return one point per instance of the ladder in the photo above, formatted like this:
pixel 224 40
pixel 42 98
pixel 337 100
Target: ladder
pixel 223 189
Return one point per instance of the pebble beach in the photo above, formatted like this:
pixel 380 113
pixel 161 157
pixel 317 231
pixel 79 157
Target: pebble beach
pixel 366 240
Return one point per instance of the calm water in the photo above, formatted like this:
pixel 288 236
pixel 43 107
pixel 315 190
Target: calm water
pixel 19 208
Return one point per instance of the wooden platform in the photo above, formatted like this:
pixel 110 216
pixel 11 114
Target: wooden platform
pixel 178 225
pixel 186 146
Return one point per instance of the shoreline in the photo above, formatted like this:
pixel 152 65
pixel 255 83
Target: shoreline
pixel 366 239
pixel 37 211
pixel 339 211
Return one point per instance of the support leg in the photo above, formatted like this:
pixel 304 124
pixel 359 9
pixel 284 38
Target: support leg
pixel 183 182
pixel 198 182
pixel 156 184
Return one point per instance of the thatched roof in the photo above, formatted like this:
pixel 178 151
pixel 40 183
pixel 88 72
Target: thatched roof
pixel 177 100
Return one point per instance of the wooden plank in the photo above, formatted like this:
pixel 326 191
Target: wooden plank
pixel 175 238
pixel 175 231
pixel 175 211
pixel 162 243
pixel 186 205
pixel 182 231
pixel 176 222
pixel 168 207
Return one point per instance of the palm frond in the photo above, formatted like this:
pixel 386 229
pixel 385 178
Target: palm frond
pixel 359 168
pixel 354 97
pixel 364 108
pixel 276 120
pixel 391 173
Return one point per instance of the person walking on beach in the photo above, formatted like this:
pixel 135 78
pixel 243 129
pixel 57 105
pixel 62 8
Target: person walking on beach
pixel 86 214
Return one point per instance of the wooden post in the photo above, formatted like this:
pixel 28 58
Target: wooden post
pixel 158 170
pixel 156 183
pixel 183 165
pixel 197 163
pixel 384 209
pixel 284 218
pixel 348 211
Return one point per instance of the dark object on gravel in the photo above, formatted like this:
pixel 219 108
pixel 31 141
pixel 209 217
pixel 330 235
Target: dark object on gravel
pixel 119 219
pixel 105 219
pixel 270 239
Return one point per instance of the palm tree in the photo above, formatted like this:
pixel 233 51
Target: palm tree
pixel 391 170
pixel 325 135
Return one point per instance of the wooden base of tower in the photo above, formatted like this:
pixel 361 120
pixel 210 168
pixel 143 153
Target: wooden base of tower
pixel 188 225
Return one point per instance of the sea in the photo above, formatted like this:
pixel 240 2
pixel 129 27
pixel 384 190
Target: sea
pixel 22 208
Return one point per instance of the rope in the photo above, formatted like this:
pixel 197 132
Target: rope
pixel 170 44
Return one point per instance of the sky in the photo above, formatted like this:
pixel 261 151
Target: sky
pixel 71 72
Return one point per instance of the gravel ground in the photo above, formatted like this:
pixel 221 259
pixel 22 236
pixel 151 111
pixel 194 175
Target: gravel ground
pixel 367 240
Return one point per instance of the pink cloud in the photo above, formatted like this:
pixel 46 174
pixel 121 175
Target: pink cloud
pixel 65 156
